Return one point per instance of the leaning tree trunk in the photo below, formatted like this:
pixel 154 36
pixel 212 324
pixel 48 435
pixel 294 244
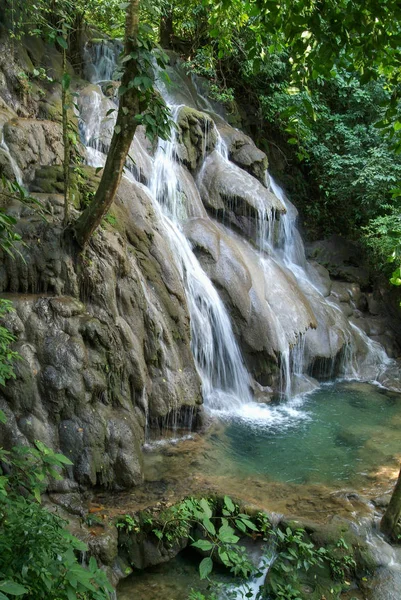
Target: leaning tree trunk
pixel 392 515
pixel 123 134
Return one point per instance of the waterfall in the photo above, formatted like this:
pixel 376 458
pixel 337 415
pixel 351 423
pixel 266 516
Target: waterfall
pixel 225 381
pixel 100 60
pixel 13 163
pixel 291 250
pixel 286 286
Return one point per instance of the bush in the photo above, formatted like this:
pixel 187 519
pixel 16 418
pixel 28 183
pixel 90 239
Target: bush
pixel 38 557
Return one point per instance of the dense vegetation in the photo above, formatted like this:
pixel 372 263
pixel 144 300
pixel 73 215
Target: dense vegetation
pixel 38 557
pixel 334 129
pixel 222 533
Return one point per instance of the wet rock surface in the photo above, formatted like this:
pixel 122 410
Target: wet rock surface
pixel 244 153
pixel 104 340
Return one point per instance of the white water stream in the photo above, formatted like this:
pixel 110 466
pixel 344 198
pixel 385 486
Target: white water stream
pixel 13 163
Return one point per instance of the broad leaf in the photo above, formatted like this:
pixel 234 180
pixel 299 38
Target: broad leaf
pixel 205 567
pixel 15 589
pixel 203 545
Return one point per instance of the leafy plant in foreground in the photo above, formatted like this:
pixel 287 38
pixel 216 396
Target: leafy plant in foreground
pixel 38 558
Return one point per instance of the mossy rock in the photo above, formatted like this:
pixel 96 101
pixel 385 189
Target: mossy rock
pixel 83 183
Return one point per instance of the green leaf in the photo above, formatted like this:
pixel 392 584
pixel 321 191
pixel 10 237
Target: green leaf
pixel 226 535
pixel 62 42
pixel 117 129
pixel 15 589
pixel 249 524
pixel 208 525
pixel 224 557
pixel 203 545
pixel 205 567
pixel 205 505
pixel 66 80
pixel 240 525
pixel 63 459
pixel 229 504
pixel 3 418
pixel 71 593
pixel 92 564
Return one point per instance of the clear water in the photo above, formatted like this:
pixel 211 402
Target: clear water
pixel 344 435
pixel 338 433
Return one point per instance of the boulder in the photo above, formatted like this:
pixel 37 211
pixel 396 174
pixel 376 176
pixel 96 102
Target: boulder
pixel 244 153
pixel 196 136
pixel 236 196
pixel 343 259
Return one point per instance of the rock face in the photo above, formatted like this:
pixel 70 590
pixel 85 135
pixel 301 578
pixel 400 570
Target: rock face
pixel 104 339
pixel 342 258
pixel 34 142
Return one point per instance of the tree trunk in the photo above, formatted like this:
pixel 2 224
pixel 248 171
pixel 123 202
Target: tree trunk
pixel 391 517
pixel 122 136
pixel 166 29
pixel 77 43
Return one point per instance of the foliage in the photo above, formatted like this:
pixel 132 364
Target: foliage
pixel 9 238
pixel 7 356
pixel 217 527
pixel 203 64
pixel 297 554
pixel 37 555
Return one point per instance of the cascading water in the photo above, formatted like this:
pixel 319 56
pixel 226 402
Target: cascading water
pixel 292 253
pixel 280 257
pixel 100 60
pixel 225 380
pixel 13 163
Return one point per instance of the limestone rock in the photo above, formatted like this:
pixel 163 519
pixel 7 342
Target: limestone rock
pixel 105 342
pixel 34 142
pixel 244 153
pixel 233 194
pixel 196 136
pixel 141 551
pixel 263 323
